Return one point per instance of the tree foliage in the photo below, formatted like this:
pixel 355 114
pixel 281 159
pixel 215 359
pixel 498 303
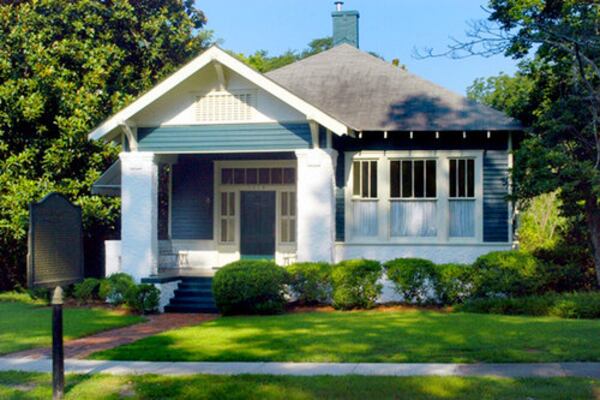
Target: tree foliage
pixel 263 62
pixel 556 92
pixel 64 66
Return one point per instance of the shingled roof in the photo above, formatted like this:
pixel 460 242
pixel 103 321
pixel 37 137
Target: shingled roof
pixel 369 94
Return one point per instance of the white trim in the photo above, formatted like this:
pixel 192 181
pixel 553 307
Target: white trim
pixel 282 249
pixel 215 54
pixel 442 191
pixel 512 210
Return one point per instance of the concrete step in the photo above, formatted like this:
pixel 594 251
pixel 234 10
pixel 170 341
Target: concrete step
pixel 194 292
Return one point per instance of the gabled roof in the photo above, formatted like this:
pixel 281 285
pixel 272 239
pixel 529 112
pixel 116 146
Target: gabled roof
pixel 369 94
pixel 216 54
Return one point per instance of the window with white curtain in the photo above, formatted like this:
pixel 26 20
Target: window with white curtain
pixel 364 193
pixel 461 199
pixel 227 216
pixel 413 194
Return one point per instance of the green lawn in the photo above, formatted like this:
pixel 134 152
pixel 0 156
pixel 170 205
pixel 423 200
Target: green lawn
pixel 25 325
pixel 37 386
pixel 373 336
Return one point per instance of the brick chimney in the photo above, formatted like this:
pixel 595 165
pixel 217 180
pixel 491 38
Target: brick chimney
pixel 345 25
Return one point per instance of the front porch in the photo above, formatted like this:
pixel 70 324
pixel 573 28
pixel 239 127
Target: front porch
pixel 186 215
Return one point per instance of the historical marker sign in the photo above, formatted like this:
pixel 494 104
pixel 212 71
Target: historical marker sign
pixel 55 254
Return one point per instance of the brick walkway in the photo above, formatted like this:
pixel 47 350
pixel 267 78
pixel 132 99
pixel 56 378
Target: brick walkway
pixel 83 347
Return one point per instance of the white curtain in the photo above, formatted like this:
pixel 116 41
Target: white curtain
pixel 414 218
pixel 462 218
pixel 364 220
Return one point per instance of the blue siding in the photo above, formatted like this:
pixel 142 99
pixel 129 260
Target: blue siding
pixel 192 198
pixel 495 190
pixel 231 137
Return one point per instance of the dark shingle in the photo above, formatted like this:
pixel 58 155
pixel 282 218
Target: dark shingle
pixel 369 94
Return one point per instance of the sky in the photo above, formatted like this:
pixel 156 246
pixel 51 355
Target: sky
pixel 390 28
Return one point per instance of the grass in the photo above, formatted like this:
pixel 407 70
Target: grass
pixel 14 385
pixel 373 336
pixel 26 324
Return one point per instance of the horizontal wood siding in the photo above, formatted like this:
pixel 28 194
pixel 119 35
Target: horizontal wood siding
pixel 495 190
pixel 231 137
pixel 192 199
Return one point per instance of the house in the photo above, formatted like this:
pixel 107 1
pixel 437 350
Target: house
pixel 340 155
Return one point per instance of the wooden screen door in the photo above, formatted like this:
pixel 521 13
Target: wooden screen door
pixel 257 225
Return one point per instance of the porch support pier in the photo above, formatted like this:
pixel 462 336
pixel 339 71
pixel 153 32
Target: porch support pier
pixel 316 204
pixel 139 214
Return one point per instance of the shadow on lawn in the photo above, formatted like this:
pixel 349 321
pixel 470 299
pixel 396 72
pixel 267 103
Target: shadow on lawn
pixel 372 337
pixel 357 387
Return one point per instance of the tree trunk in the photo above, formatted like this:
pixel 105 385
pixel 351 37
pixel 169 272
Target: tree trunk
pixel 592 212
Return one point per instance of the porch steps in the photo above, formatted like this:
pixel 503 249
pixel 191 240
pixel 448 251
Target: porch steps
pixel 193 295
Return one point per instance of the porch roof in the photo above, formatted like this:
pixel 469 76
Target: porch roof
pixel 109 183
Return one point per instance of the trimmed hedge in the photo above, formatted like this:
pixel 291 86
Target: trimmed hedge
pixel 250 287
pixel 453 283
pixel 143 298
pixel 114 288
pixel 507 273
pixel 87 290
pixel 355 284
pixel 564 305
pixel 414 279
pixel 311 282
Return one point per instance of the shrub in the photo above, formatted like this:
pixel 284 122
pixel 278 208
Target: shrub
pixel 250 287
pixel 355 284
pixel 413 278
pixel 311 282
pixel 564 305
pixel 87 290
pixel 453 284
pixel 507 273
pixel 143 298
pixel 568 268
pixel 114 288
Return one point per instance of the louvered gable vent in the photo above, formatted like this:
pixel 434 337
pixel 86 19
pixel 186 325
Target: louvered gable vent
pixel 225 106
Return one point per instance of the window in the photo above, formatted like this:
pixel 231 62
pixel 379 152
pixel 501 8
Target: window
pixel 365 179
pixel 227 217
pixel 215 107
pixel 462 197
pixel 261 176
pixel 462 178
pixel 413 179
pixel 364 188
pixel 288 217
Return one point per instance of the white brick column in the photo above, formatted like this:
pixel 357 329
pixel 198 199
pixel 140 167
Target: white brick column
pixel 139 214
pixel 316 205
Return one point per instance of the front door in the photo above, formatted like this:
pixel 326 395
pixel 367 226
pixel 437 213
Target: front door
pixel 257 225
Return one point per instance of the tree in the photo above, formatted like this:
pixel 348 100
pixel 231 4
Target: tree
pixel 262 62
pixel 560 43
pixel 65 66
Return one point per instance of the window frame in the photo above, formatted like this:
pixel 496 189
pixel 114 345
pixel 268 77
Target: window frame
pixel 412 160
pixel 369 162
pixel 384 236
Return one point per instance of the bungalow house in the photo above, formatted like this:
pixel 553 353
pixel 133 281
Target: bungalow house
pixel 340 155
